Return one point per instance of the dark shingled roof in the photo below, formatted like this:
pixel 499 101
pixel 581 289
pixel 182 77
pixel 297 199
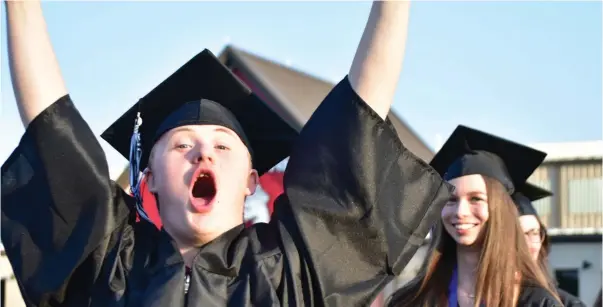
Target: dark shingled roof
pixel 295 95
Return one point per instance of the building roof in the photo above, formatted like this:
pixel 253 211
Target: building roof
pixel 574 231
pixel 572 151
pixel 564 235
pixel 575 235
pixel 299 94
pixel 294 95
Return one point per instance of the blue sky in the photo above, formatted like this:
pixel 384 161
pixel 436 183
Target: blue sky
pixel 528 71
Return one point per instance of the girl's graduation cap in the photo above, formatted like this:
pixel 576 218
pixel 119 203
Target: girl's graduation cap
pixel 469 152
pixel 527 194
pixel 204 91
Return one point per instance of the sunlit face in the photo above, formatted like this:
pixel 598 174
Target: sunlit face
pixel 533 234
pixel 465 215
pixel 201 175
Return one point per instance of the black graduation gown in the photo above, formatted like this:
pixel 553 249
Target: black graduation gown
pixel 569 300
pixel 535 296
pixel 357 205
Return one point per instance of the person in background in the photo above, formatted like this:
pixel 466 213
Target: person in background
pixel 598 301
pixel 536 234
pixel 356 207
pixel 478 254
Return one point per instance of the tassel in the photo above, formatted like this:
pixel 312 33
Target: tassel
pixel 135 174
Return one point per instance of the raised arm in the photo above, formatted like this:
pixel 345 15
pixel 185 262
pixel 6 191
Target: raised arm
pixel 357 203
pixel 61 215
pixel 377 65
pixel 35 72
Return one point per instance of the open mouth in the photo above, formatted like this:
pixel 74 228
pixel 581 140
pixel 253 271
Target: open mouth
pixel 203 191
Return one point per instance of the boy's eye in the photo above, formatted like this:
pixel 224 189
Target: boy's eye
pixel 183 146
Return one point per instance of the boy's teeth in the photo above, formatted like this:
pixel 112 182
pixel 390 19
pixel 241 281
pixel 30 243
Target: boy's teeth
pixel 463 226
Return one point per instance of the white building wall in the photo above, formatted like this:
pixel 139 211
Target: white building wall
pixel 12 295
pixel 572 256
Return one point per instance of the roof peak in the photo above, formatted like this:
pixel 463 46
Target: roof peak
pixel 301 93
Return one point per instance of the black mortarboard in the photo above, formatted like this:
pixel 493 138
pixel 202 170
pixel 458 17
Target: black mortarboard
pixel 524 197
pixel 469 151
pixel 204 91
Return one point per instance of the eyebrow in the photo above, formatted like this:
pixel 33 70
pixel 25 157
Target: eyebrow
pixel 533 229
pixel 472 193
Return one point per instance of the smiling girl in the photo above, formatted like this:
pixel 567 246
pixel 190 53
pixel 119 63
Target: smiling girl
pixel 478 256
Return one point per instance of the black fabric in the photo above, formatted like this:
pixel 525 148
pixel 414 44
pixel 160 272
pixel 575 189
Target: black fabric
pixel 472 152
pixel 524 205
pixel 202 79
pixel 527 194
pixel 357 206
pixel 481 163
pixel 533 296
pixel 569 300
pixel 529 296
pixel 202 112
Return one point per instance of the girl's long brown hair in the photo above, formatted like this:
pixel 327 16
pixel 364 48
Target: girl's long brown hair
pixel 504 259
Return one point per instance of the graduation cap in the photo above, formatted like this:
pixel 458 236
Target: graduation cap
pixel 204 91
pixel 472 152
pixel 527 194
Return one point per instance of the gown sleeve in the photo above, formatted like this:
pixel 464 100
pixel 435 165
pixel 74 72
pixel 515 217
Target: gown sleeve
pixel 357 203
pixel 59 208
pixel 536 296
pixel 568 299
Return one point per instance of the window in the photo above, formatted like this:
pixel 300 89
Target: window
pixel 568 280
pixel 543 206
pixel 585 195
